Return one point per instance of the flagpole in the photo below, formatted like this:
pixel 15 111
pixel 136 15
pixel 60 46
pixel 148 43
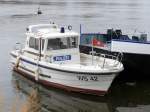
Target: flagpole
pixel 92 50
pixel 80 32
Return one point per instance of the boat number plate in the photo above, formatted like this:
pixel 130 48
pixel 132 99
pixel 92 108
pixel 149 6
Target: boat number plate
pixel 62 58
pixel 87 78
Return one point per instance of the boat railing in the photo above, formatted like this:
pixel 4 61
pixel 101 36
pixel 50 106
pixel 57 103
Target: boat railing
pixel 117 58
pixel 18 47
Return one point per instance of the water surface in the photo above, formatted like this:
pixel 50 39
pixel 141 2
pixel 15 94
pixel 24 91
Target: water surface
pixel 21 95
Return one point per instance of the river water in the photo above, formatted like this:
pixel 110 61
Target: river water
pixel 18 94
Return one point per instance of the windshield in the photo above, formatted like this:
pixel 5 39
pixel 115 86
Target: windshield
pixel 62 43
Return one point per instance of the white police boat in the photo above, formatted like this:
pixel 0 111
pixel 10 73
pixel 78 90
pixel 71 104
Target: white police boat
pixel 51 57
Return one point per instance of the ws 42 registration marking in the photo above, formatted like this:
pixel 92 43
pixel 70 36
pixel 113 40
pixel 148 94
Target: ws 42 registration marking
pixel 87 78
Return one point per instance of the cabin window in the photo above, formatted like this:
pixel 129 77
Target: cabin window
pixel 34 43
pixel 73 42
pixel 53 44
pixel 62 43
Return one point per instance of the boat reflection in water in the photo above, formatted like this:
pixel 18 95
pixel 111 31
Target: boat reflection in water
pixel 123 97
pixel 41 99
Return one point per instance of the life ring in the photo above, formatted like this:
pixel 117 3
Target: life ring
pixel 69 27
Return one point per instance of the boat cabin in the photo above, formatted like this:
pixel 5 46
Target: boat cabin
pixel 49 43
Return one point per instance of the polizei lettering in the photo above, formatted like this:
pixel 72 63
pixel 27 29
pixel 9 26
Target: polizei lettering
pixel 87 78
pixel 62 58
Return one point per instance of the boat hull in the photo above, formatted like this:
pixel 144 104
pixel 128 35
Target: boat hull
pixel 96 84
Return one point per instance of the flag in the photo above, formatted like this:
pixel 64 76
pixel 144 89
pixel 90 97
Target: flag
pixel 96 42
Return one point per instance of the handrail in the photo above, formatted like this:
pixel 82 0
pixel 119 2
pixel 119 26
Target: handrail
pixel 118 58
pixel 18 48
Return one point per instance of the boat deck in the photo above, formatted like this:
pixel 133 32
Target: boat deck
pixel 97 61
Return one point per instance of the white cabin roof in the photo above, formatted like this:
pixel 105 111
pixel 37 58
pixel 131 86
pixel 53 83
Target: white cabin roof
pixel 49 31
